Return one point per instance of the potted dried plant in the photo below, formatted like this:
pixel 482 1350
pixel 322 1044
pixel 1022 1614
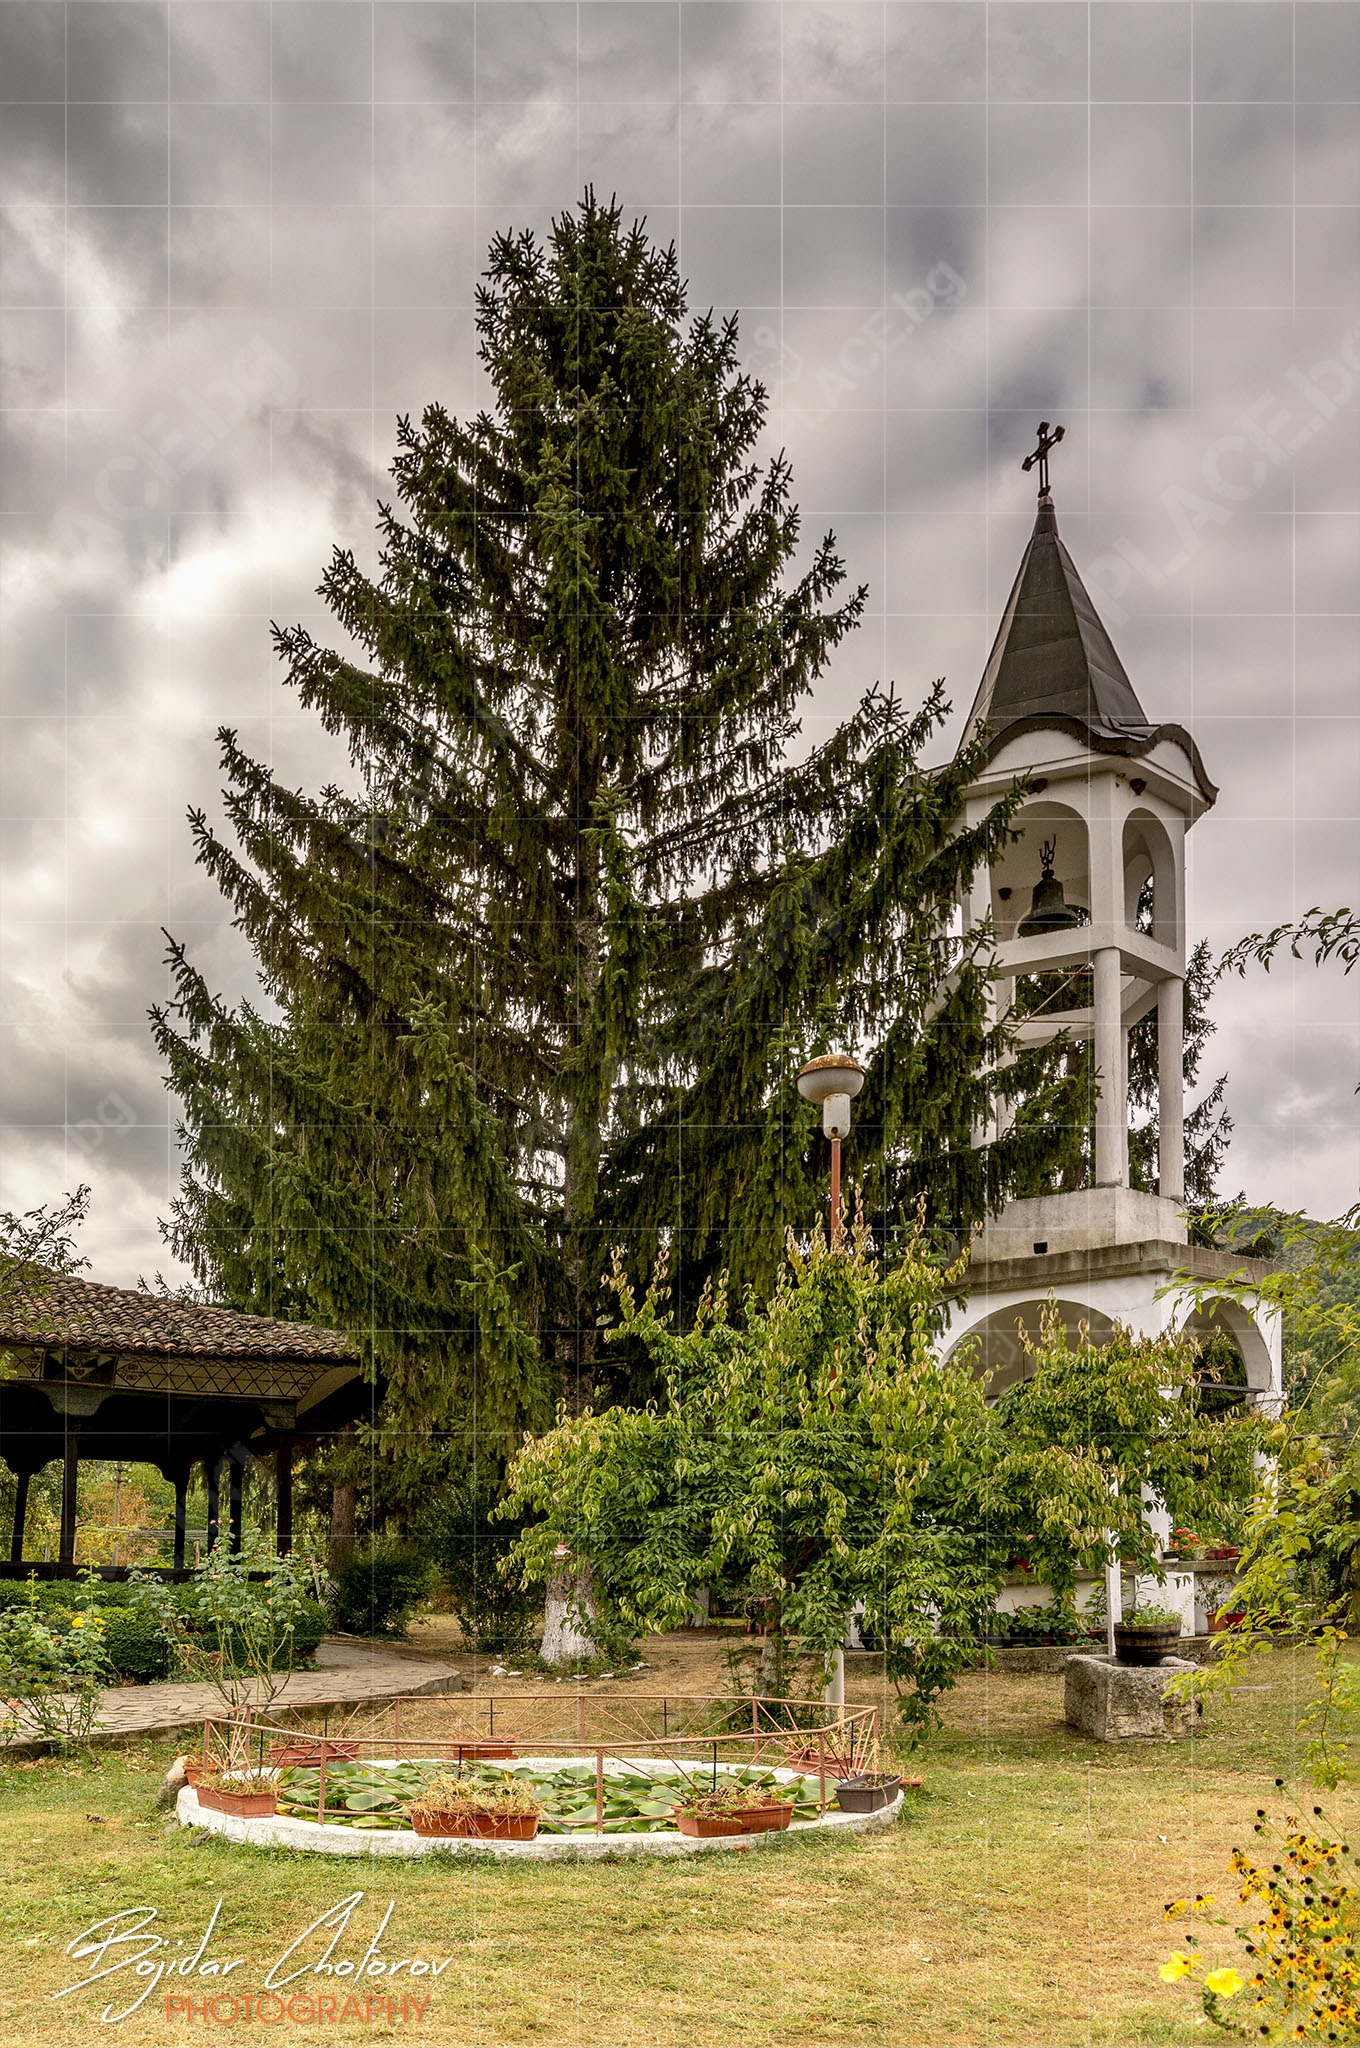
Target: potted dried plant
pixel 1146 1635
pixel 452 1806
pixel 706 1814
pixel 732 1809
pixel 867 1792
pixel 763 1811
pixel 250 1794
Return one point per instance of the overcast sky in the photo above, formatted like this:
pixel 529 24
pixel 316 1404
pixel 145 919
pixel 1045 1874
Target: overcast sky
pixel 239 238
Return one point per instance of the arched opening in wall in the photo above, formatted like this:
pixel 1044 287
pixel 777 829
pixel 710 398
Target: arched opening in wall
pixel 1151 897
pixel 998 1348
pixel 1049 868
pixel 1234 1366
pixel 1151 905
pixel 1053 838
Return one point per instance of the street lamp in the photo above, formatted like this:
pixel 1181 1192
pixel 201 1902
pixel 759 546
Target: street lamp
pixel 832 1080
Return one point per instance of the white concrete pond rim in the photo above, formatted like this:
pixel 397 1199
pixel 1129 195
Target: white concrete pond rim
pixel 279 1831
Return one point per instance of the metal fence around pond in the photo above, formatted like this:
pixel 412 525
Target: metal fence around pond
pixel 695 1733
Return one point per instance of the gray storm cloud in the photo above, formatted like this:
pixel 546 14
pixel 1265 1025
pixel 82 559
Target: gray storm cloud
pixel 236 240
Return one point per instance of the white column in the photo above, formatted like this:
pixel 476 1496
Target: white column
pixel 1111 1102
pixel 1003 1113
pixel 1171 1088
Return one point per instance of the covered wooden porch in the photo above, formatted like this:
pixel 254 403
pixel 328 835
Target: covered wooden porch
pixel 105 1372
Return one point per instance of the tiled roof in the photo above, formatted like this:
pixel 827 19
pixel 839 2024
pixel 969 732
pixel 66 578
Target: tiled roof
pixel 81 1315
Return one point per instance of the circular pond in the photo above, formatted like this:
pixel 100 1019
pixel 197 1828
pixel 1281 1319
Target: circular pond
pixel 364 1812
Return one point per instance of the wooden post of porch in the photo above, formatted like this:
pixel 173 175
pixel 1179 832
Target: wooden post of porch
pixel 181 1516
pixel 16 1541
pixel 214 1496
pixel 66 1552
pixel 238 1472
pixel 283 1479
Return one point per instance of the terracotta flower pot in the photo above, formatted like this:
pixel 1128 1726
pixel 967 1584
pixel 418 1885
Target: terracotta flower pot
pixel 801 1756
pixel 505 1827
pixel 247 1805
pixel 286 1754
pixel 764 1820
pixel 192 1774
pixel 706 1825
pixel 487 1827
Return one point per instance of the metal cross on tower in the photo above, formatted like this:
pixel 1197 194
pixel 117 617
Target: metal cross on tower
pixel 1047 440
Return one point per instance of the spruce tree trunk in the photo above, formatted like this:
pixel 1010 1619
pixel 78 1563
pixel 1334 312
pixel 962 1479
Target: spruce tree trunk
pixel 571 1594
pixel 344 1508
pixel 568 1594
pixel 581 1150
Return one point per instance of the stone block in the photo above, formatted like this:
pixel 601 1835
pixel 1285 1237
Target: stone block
pixel 1123 1702
pixel 173 1783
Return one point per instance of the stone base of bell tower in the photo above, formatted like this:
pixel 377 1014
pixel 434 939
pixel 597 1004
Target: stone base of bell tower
pixel 1084 1220
pixel 1149 1284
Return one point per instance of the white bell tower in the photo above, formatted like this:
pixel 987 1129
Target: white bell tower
pixel 1111 798
pixel 1091 896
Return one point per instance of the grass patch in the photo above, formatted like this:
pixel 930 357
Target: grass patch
pixel 1020 1902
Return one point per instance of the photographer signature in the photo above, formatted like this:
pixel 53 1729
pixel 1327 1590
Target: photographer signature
pixel 126 1941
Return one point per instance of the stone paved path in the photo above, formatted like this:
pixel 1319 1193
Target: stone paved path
pixel 347 1674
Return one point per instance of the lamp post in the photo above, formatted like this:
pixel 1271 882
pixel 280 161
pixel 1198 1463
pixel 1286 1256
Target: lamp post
pixel 832 1080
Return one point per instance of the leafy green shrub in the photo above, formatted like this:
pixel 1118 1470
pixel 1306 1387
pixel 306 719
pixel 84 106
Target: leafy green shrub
pixel 134 1644
pixel 379 1588
pixel 1151 1617
pixel 310 1626
pixel 1052 1623
pixel 496 1610
pixel 50 1676
pixel 239 1621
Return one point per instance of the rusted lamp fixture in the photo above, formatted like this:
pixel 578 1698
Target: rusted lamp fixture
pixel 832 1080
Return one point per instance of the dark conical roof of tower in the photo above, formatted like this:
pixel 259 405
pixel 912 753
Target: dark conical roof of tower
pixel 1052 654
pixel 1054 665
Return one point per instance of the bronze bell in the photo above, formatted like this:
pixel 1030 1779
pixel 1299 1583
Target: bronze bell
pixel 1049 910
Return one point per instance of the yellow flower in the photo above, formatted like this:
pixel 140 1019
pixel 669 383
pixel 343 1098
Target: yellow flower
pixel 1175 1909
pixel 77 1621
pixel 1177 1965
pixel 1226 1983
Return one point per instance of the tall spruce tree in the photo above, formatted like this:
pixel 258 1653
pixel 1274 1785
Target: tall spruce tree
pixel 544 972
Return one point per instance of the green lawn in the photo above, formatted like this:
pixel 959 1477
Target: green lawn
pixel 1019 1902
